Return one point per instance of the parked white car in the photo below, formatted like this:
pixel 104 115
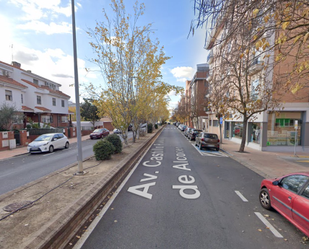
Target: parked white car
pixel 48 143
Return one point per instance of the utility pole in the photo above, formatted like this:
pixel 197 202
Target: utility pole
pixel 79 140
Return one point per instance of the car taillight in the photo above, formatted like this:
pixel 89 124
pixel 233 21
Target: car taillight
pixel 218 140
pixel 202 139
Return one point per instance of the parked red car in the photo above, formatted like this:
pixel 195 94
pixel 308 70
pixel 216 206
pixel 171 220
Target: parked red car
pixel 99 133
pixel 289 195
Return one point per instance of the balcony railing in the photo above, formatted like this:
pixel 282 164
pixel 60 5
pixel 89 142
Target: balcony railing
pixel 256 66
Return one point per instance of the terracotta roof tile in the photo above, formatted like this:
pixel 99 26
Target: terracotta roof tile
pixel 42 108
pixel 11 81
pixel 26 108
pixel 55 91
pixel 30 83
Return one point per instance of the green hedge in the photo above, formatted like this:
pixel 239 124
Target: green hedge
pixel 115 140
pixel 150 128
pixel 103 150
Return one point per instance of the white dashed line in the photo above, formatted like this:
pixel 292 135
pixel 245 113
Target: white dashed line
pixel 268 225
pixel 241 196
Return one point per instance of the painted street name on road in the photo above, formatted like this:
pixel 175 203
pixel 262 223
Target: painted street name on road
pixel 154 161
pixel 185 190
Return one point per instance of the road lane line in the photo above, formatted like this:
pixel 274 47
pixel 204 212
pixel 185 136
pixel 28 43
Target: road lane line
pixel 105 208
pixel 241 196
pixel 268 225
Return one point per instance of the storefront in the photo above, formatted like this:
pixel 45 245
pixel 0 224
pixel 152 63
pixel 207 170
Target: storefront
pixel 281 128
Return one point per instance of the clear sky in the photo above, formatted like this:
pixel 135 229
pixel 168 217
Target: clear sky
pixel 38 34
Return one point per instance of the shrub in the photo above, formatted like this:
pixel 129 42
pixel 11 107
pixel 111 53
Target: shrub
pixel 150 128
pixel 103 150
pixel 116 141
pixel 142 132
pixel 156 126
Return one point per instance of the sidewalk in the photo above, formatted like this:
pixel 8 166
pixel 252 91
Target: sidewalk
pixel 23 150
pixel 266 164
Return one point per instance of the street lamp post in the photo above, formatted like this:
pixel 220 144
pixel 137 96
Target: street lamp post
pixel 79 140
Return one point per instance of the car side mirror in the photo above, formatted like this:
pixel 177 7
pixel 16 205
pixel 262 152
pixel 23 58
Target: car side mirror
pixel 275 183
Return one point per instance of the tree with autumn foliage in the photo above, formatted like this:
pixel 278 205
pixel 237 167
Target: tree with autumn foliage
pixel 251 34
pixel 130 62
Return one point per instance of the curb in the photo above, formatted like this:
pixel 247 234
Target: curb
pixel 59 231
pixel 259 172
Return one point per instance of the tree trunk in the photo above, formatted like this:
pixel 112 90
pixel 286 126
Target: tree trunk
pixel 125 137
pixel 220 128
pixel 244 135
pixel 134 135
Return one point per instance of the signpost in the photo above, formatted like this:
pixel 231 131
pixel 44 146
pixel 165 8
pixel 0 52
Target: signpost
pixel 295 138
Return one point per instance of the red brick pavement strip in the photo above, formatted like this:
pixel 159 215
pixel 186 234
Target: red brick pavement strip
pixel 265 163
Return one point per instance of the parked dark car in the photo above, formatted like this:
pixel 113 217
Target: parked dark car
pixel 289 195
pixel 99 133
pixel 207 140
pixel 193 133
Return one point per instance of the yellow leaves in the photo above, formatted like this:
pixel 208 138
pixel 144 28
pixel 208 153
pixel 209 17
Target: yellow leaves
pixel 279 57
pixel 266 45
pixel 285 25
pixel 258 44
pixel 297 38
pixel 296 88
pixel 242 55
pixel 281 39
pixel 255 12
pixel 266 18
pixel 305 37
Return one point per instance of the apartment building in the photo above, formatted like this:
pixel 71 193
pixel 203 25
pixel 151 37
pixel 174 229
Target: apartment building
pixel 37 98
pixel 277 129
pixel 198 97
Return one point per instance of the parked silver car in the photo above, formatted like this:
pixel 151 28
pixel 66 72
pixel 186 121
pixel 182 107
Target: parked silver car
pixel 48 143
pixel 207 140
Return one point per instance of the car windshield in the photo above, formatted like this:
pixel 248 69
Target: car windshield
pixel 211 136
pixel 44 138
pixel 97 130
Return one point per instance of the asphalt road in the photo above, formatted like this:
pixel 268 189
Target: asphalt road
pixel 180 197
pixel 20 170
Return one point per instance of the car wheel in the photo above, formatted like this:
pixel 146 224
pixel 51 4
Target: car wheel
pixel 265 199
pixel 51 149
pixel 200 146
pixel 67 145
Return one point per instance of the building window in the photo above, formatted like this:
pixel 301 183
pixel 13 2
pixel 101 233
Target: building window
pixel 54 101
pixel 237 129
pixel 62 103
pixel 8 95
pixel 35 81
pixel 46 119
pixel 254 89
pixel 38 100
pixel 281 130
pixel 64 119
pixel 22 98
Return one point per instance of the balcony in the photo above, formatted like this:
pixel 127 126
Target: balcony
pixel 256 66
pixel 210 57
pixel 209 77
